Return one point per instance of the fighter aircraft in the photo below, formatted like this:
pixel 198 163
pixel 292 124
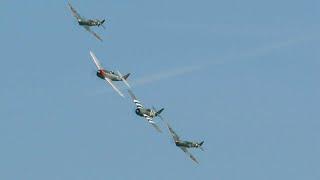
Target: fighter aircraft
pixel 109 76
pixel 87 23
pixel 184 145
pixel 148 114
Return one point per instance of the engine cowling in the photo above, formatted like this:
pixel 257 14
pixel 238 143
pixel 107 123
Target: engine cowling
pixel 138 111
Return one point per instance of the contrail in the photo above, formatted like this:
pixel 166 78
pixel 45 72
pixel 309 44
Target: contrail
pixel 180 71
pixel 166 75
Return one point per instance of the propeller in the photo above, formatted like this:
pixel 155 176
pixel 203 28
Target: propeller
pixel 125 81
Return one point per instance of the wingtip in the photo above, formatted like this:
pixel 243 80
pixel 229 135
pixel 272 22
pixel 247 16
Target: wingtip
pixel 69 4
pixel 93 56
pixel 194 160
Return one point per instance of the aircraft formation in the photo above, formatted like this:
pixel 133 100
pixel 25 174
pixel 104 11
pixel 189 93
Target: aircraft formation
pixel 149 114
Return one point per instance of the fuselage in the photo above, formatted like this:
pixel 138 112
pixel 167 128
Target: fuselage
pixel 108 74
pixel 149 112
pixel 186 144
pixel 89 22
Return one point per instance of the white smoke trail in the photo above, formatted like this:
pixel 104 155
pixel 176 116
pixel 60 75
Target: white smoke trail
pixel 180 71
pixel 166 75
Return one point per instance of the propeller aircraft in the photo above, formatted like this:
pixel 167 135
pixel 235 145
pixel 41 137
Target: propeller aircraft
pixel 87 23
pixel 109 76
pixel 184 145
pixel 147 113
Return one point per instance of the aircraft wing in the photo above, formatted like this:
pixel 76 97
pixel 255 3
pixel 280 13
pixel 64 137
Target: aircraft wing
pixel 74 12
pixel 173 134
pixel 92 32
pixel 189 154
pixel 155 126
pixel 114 87
pixel 135 100
pixel 95 60
pixel 149 119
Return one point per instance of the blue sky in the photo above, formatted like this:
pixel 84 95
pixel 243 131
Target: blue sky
pixel 240 75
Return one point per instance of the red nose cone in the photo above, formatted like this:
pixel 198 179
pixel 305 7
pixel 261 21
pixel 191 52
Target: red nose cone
pixel 100 74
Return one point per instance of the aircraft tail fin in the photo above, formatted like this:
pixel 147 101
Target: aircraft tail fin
pixel 158 112
pixel 101 23
pixel 200 145
pixel 126 76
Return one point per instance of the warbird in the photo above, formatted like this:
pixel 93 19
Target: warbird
pixel 148 114
pixel 109 76
pixel 87 23
pixel 184 145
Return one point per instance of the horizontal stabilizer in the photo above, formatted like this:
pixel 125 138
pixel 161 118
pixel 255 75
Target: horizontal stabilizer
pixel 124 78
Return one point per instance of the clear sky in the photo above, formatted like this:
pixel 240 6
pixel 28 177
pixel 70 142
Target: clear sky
pixel 241 75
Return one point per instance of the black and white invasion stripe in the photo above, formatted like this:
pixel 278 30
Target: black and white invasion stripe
pixel 138 104
pixel 147 117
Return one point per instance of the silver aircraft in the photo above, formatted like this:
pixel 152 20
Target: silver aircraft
pixel 109 76
pixel 148 114
pixel 87 23
pixel 184 145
